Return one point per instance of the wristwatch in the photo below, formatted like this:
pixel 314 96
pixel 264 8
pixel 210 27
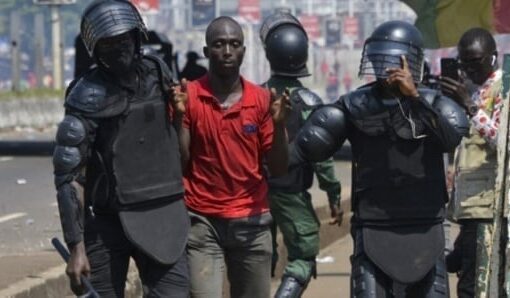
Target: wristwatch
pixel 472 110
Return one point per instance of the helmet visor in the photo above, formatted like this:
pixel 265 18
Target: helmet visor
pixel 380 55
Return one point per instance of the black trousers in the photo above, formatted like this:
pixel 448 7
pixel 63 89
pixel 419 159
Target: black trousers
pixel 109 252
pixel 463 259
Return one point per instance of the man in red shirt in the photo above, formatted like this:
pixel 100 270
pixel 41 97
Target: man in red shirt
pixel 231 127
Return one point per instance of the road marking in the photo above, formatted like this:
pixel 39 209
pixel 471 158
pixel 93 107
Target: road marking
pixel 11 216
pixel 54 204
pixel 6 158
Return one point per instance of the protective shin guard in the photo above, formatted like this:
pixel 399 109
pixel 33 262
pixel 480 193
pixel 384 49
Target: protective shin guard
pixel 289 288
pixel 363 279
pixel 440 288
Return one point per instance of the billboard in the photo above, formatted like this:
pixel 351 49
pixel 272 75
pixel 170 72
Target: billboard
pixel 333 32
pixel 147 6
pixel 249 10
pixel 203 12
pixel 50 2
pixel 311 24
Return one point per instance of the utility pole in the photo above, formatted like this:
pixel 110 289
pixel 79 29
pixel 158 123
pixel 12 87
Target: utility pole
pixel 56 46
pixel 39 48
pixel 56 36
pixel 15 53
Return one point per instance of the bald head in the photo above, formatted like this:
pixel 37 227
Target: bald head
pixel 478 36
pixel 222 25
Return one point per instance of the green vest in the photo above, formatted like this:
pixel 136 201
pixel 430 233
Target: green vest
pixel 475 176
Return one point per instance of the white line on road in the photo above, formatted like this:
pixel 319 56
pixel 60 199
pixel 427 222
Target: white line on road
pixel 11 216
pixel 6 158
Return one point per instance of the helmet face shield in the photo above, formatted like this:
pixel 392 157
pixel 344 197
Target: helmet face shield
pixel 103 19
pixel 387 44
pixel 380 55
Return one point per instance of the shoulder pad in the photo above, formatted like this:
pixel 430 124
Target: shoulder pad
pixel 454 113
pixel 164 71
pixel 323 134
pixel 361 103
pixel 309 98
pixel 96 97
pixel 428 94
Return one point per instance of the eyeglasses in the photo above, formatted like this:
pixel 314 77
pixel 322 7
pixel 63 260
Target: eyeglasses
pixel 472 63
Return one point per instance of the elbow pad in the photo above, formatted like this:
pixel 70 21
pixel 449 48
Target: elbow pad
pixel 453 113
pixel 322 135
pixel 67 156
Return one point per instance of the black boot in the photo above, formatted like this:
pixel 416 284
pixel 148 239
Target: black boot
pixel 289 288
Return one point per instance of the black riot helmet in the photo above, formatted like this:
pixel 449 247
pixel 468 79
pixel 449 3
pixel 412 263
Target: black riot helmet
pixel 108 18
pixel 387 43
pixel 286 45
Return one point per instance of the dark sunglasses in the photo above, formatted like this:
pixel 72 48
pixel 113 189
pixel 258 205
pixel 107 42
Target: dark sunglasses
pixel 472 63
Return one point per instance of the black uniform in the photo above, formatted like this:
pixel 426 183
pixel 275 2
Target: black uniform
pixel 398 191
pixel 117 143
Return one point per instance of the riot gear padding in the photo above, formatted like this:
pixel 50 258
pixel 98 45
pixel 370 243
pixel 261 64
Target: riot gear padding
pixel 107 18
pixel 453 113
pixel 96 97
pixel 66 159
pixel 387 44
pixel 323 134
pixel 289 288
pixel 286 45
pixel 71 131
pixel 71 214
pixel 306 97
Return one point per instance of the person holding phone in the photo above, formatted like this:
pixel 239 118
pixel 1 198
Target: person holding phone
pixel 475 161
pixel 398 133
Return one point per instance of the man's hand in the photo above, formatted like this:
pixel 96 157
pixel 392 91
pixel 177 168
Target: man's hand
pixel 404 79
pixel 77 266
pixel 457 91
pixel 179 97
pixel 280 106
pixel 337 215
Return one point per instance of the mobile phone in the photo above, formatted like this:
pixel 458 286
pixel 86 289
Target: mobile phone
pixel 450 68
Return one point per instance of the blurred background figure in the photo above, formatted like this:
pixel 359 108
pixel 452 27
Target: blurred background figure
pixel 192 70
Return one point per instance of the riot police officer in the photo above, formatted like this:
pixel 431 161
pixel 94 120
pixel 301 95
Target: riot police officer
pixel 117 165
pixel 286 45
pixel 398 133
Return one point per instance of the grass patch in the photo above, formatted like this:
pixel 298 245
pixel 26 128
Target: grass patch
pixel 32 93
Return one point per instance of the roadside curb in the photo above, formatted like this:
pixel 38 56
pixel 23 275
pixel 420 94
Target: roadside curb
pixel 54 283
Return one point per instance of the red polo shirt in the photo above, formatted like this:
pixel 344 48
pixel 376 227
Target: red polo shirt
pixel 225 176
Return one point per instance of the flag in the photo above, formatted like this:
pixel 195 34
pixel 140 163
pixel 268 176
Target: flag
pixel 442 22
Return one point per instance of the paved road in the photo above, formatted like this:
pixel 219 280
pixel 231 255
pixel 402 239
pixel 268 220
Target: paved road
pixel 28 211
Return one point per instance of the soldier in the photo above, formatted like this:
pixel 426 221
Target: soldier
pixel 286 45
pixel 473 198
pixel 117 144
pixel 398 133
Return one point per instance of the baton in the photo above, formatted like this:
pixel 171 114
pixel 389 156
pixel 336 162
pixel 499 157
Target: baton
pixel 62 250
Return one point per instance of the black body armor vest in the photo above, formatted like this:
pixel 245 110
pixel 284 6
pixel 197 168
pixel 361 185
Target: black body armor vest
pixel 137 145
pixel 396 178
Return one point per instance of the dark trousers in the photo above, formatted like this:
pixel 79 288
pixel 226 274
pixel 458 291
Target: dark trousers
pixel 109 252
pixel 463 259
